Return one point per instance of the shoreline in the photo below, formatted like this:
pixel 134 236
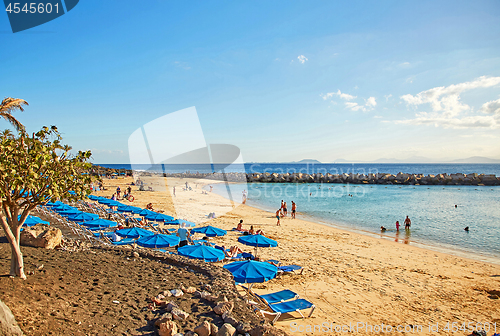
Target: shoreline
pixel 428 245
pixel 349 276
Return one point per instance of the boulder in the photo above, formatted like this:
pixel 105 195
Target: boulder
pixel 8 324
pixel 178 314
pixel 203 329
pixel 226 330
pixel 171 306
pixel 169 328
pixel 190 290
pixel 162 319
pixel 41 235
pixel 227 318
pixel 177 292
pixel 224 307
pixel 213 329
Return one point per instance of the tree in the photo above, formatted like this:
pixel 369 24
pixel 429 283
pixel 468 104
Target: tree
pixel 7 106
pixel 34 170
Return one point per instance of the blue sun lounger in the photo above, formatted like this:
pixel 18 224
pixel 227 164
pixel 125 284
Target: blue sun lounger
pixel 125 241
pixel 290 269
pixel 280 296
pixel 288 307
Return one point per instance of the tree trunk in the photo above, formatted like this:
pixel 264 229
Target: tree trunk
pixel 16 263
pixel 13 236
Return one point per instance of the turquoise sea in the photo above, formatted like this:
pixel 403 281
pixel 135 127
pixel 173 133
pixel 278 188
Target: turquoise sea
pixel 436 222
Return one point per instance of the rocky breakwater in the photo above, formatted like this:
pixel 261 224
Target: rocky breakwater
pixel 379 178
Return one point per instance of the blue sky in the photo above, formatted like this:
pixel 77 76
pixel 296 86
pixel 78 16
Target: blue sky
pixel 281 80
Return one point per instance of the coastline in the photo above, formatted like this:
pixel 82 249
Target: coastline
pixel 349 276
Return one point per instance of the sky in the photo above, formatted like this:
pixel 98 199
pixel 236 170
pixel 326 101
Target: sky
pixel 281 80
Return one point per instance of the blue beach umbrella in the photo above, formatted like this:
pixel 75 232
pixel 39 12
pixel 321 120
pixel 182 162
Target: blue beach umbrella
pixel 54 204
pixel 257 241
pixel 93 197
pixel 158 241
pixel 128 208
pixel 68 213
pixel 158 217
pixel 134 233
pixel 83 217
pixel 210 231
pixel 206 253
pixel 109 202
pixel 145 212
pixel 100 222
pixel 180 221
pixel 250 271
pixel 62 207
pixel 32 220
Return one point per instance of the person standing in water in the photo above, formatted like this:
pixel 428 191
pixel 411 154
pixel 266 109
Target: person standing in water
pixel 407 223
pixel 397 225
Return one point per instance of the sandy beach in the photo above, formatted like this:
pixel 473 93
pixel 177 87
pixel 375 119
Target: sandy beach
pixel 353 279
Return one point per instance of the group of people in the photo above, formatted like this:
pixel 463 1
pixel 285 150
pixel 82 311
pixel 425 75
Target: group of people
pixel 283 211
pixel 251 231
pixel 407 225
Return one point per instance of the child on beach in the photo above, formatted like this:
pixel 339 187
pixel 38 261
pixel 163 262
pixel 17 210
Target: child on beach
pixel 278 212
pixel 397 225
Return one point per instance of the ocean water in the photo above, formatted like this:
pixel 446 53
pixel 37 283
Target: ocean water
pixel 333 168
pixel 436 223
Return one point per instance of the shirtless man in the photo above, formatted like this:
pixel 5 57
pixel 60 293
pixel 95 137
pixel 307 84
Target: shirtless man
pixel 407 223
pixel 285 210
pixel 278 212
pixel 294 208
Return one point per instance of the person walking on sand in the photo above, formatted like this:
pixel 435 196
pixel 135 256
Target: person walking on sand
pixel 397 225
pixel 211 188
pixel 278 217
pixel 285 210
pixel 294 209
pixel 174 191
pixel 407 223
pixel 244 197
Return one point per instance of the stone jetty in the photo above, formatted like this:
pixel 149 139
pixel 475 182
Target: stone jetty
pixel 379 178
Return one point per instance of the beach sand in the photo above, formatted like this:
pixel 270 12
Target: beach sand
pixel 350 277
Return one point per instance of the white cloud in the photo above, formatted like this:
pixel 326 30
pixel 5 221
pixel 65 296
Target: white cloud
pixel 492 107
pixel 404 64
pixel 377 117
pixel 355 106
pixel 449 111
pixel 387 97
pixel 345 96
pixel 302 59
pixel 371 102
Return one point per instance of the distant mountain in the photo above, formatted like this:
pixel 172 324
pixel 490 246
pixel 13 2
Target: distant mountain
pixel 307 161
pixel 477 159
pixel 422 159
